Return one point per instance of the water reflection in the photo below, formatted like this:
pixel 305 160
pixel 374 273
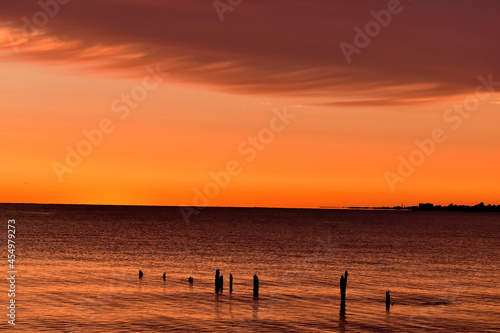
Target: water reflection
pixel 255 309
pixel 342 322
pixel 231 306
pixel 218 305
pixel 76 284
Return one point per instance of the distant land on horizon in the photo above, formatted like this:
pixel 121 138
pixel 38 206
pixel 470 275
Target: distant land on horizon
pixel 481 207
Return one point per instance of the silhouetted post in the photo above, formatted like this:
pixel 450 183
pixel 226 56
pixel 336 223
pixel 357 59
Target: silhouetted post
pixel 217 277
pixel 343 287
pixel 255 286
pixel 164 276
pixel 140 273
pixel 230 283
pixel 221 283
pixel 190 280
pixel 387 300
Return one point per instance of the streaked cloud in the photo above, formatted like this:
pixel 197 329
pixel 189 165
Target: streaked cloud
pixel 282 47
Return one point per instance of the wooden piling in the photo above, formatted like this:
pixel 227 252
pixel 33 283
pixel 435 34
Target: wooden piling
pixel 343 287
pixel 190 279
pixel 217 281
pixel 221 283
pixel 140 273
pixel 230 283
pixel 387 300
pixel 255 286
pixel 164 276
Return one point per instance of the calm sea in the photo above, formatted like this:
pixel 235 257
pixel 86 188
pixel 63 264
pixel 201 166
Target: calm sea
pixel 77 270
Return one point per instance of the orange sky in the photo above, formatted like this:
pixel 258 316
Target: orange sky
pixel 222 83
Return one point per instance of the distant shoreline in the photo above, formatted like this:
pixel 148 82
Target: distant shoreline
pixel 481 207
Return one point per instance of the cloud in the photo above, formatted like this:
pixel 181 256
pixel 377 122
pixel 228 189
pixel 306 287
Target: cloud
pixel 284 47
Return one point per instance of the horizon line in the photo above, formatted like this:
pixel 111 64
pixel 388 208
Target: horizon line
pixel 255 207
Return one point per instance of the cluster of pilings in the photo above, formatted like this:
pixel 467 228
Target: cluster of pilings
pixel 343 287
pixel 219 287
pixel 219 282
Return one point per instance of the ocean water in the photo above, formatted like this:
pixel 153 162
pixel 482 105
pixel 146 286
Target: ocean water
pixel 77 270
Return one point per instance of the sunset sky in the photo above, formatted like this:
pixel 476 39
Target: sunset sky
pixel 309 103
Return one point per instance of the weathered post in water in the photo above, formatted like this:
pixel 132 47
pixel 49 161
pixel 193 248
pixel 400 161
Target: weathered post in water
pixel 221 283
pixel 255 286
pixel 230 283
pixel 387 300
pixel 217 277
pixel 140 273
pixel 343 287
pixel 190 279
pixel 164 276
